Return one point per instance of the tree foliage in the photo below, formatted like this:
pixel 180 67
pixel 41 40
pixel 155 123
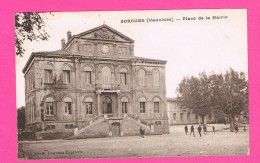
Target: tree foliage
pixel 21 118
pixel 29 26
pixel 220 94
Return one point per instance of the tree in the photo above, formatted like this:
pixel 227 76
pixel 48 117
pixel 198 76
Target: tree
pixel 29 26
pixel 231 94
pixel 220 94
pixel 195 94
pixel 21 118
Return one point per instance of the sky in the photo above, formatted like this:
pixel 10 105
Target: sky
pixel 189 42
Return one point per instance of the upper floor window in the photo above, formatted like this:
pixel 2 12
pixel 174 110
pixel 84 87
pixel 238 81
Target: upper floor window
pixel 87 77
pixel 141 77
pixel 122 50
pixel 106 75
pixel 66 76
pixel 48 76
pixel 123 76
pixel 156 78
pixel 87 47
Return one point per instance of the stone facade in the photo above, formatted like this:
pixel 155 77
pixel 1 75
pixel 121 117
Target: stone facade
pixel 178 116
pixel 96 84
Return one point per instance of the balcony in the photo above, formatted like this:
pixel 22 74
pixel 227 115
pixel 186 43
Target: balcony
pixel 108 86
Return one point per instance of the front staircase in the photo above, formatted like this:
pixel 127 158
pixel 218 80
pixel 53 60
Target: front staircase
pixel 100 126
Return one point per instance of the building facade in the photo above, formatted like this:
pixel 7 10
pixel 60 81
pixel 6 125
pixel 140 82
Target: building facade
pixel 97 85
pixel 179 116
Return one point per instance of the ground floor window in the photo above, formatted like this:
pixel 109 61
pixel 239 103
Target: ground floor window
pixel 142 107
pixel 68 126
pixel 88 107
pixel 124 107
pixel 49 108
pixel 181 116
pixel 158 122
pixel 156 107
pixel 50 127
pixel 174 116
pixel 188 116
pixel 68 108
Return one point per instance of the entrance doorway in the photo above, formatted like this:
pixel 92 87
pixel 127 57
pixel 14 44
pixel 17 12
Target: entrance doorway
pixel 107 105
pixel 115 129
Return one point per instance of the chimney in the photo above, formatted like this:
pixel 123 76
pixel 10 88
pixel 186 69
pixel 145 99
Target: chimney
pixel 69 35
pixel 62 43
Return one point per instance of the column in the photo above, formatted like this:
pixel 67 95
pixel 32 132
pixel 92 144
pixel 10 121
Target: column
pixel 98 102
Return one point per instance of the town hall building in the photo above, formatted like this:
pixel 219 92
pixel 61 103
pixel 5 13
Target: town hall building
pixel 96 84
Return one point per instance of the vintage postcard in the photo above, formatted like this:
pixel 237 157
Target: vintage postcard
pixel 118 84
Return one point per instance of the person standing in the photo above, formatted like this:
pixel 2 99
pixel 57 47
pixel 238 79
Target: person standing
pixel 204 129
pixel 199 130
pixel 236 128
pixel 192 130
pixel 213 128
pixel 186 129
pixel 141 132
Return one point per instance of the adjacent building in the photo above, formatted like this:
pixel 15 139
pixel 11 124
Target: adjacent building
pixel 95 83
pixel 180 116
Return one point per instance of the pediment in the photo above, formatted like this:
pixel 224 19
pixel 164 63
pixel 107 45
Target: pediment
pixel 104 32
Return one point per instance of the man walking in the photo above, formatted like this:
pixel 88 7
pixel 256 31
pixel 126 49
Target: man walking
pixel 186 129
pixel 192 130
pixel 199 130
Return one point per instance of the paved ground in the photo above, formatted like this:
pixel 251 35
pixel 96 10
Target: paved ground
pixel 174 144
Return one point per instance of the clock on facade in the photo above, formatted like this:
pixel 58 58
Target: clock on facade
pixel 105 49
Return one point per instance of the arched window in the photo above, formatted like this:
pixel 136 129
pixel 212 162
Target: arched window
pixel 142 101
pixel 124 102
pixel 156 78
pixel 49 102
pixel 141 77
pixel 123 76
pixel 66 72
pixel 107 105
pixel 88 105
pixel 87 76
pixel 156 102
pixel 106 75
pixel 67 106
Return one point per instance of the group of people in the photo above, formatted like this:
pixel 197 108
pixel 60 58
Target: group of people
pixel 204 128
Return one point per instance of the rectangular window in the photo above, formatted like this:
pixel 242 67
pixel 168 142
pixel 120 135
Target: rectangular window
pixel 48 76
pixel 68 126
pixel 124 107
pixel 156 107
pixel 66 76
pixel 88 107
pixel 87 47
pixel 88 77
pixel 188 116
pixel 122 50
pixel 123 78
pixel 50 127
pixel 174 116
pixel 68 108
pixel 49 108
pixel 142 107
pixel 158 122
pixel 181 116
